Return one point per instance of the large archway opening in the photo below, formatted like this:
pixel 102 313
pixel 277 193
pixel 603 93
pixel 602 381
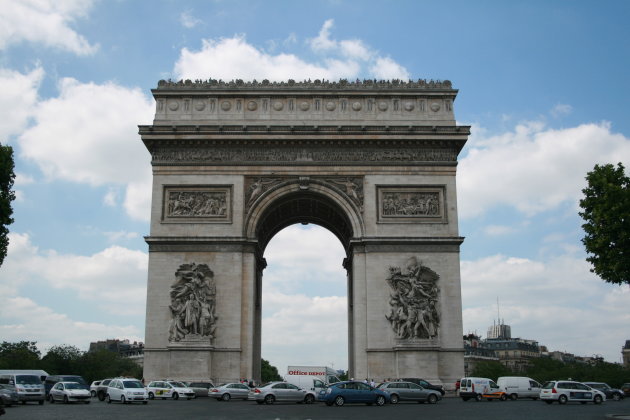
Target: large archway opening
pixel 304 282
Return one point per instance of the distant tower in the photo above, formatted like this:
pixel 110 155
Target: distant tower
pixel 499 329
pixel 625 354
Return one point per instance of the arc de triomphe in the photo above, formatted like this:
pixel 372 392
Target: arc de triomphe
pixel 236 162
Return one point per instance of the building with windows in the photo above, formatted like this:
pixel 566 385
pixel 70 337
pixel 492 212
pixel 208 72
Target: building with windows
pixel 514 353
pixel 133 351
pixel 475 352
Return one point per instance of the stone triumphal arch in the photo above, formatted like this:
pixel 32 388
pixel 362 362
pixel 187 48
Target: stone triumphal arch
pixel 235 162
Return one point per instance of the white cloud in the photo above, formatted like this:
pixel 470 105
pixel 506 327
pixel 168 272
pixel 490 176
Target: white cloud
pixel 498 230
pixel 235 58
pixel 111 197
pixel 113 279
pixel 120 235
pixel 88 134
pixel 187 19
pixel 18 99
pixel 560 110
pixel 557 302
pixel 46 22
pixel 533 168
pixel 24 319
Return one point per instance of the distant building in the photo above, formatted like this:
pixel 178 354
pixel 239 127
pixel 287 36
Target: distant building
pixel 500 330
pixel 625 354
pixel 514 353
pixel 133 351
pixel 475 352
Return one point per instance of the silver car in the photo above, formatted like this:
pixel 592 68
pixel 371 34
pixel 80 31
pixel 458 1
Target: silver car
pixel 69 392
pixel 225 392
pixel 408 391
pixel 202 388
pixel 281 391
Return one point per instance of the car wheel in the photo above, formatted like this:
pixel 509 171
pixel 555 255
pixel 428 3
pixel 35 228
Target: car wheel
pixel 380 400
pixel 562 399
pixel 309 399
pixel 513 397
pixel 151 395
pixel 270 399
pixel 93 393
pixel 339 401
pixel 108 398
pixel 393 399
pixel 616 397
pixel 65 399
pixel 51 399
pixel 122 399
pixel 503 397
pixel 597 399
pixel 101 395
pixel 226 397
pixel 432 399
pixel 478 397
pixel 175 396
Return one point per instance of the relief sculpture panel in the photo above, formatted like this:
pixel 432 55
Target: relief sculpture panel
pixel 411 204
pixel 193 304
pixel 197 204
pixel 414 299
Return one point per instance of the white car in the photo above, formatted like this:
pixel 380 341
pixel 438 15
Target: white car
pixel 69 392
pixel 94 387
pixel 169 389
pixel 569 391
pixel 126 390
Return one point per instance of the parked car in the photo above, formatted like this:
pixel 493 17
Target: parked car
pixel 8 395
pixel 480 388
pixel 94 387
pixel 408 391
pixel 101 389
pixel 201 389
pixel 519 387
pixel 568 391
pixel 225 392
pixel 69 392
pixel 353 392
pixel 426 384
pixel 626 389
pixel 169 389
pixel 29 387
pixel 281 391
pixel 53 379
pixel 611 393
pixel 127 390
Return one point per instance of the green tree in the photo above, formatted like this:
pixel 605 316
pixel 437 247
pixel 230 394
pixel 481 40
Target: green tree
pixel 490 369
pixel 101 364
pixel 268 372
pixel 62 360
pixel 606 212
pixel 7 176
pixel 21 355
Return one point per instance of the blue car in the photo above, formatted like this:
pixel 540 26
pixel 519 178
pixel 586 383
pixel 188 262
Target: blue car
pixel 353 392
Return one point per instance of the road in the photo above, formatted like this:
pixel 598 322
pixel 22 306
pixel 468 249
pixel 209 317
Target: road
pixel 205 408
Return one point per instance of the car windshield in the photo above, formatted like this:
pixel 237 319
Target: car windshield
pixel 548 385
pixel 77 379
pixel 132 384
pixel 73 385
pixel 177 384
pixel 28 380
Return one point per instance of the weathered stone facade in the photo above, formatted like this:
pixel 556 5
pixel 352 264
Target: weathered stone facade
pixel 234 163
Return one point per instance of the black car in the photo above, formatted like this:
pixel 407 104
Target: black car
pixel 101 390
pixel 8 395
pixel 611 393
pixel 426 384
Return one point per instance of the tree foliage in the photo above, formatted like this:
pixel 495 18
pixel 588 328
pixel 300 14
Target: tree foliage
pixel 268 372
pixel 7 195
pixel 490 369
pixel 606 212
pixel 21 355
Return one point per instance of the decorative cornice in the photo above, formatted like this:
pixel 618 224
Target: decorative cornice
pixel 343 84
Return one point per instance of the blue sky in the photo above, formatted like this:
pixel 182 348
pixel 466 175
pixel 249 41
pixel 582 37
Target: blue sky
pixel 543 84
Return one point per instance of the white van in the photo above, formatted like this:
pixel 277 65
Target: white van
pixel 308 383
pixel 28 386
pixel 480 388
pixel 519 387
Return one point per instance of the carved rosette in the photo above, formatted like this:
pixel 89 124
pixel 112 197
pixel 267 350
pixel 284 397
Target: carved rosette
pixel 350 187
pixel 193 304
pixel 414 301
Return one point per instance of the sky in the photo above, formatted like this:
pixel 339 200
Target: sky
pixel 543 84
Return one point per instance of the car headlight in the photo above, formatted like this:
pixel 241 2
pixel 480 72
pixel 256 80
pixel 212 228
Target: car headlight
pixel 328 391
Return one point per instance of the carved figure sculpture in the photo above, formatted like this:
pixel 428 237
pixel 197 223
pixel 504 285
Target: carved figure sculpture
pixel 414 312
pixel 193 297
